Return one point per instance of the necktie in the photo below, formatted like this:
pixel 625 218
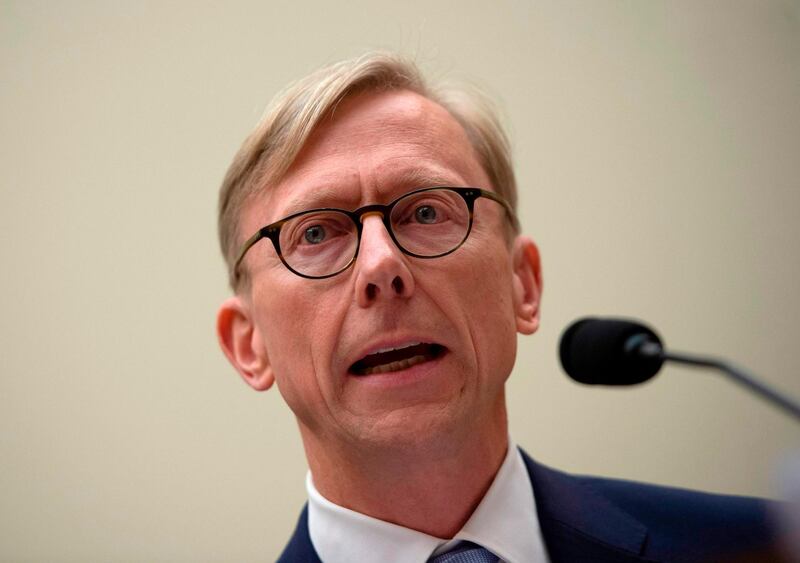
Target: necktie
pixel 466 552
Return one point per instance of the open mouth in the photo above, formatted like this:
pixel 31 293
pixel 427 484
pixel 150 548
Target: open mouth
pixel 396 359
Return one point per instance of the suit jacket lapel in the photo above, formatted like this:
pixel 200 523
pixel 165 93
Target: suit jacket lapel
pixel 300 549
pixel 580 525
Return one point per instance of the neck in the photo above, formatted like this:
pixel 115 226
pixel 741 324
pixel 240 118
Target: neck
pixel 432 485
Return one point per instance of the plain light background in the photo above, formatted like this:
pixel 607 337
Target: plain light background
pixel 658 155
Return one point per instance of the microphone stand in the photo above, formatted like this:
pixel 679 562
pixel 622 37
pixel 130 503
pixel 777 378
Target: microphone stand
pixel 652 349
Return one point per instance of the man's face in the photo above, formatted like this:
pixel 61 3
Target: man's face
pixel 465 307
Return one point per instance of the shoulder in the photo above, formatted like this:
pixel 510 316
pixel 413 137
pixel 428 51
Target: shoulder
pixel 658 503
pixel 674 524
pixel 679 519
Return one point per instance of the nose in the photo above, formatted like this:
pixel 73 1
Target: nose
pixel 382 271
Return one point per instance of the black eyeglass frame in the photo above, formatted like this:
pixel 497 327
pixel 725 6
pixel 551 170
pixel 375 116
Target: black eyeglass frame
pixel 273 230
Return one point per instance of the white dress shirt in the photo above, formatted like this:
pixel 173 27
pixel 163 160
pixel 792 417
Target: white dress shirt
pixel 505 523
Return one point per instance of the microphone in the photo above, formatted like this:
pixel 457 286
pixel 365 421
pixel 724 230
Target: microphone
pixel 610 352
pixel 597 351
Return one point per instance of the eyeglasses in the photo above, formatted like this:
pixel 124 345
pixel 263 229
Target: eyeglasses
pixel 425 223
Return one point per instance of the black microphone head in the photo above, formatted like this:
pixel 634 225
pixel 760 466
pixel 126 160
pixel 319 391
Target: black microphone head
pixel 598 351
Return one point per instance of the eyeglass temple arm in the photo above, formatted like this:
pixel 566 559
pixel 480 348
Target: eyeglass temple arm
pixel 245 247
pixel 507 206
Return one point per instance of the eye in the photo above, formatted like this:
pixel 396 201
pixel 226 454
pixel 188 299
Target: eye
pixel 314 234
pixel 425 214
pixel 311 232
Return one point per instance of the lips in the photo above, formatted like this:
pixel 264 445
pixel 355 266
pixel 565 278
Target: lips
pixel 396 359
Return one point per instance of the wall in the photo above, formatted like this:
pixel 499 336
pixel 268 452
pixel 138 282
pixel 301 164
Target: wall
pixel 657 151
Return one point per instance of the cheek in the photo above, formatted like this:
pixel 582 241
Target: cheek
pixel 300 330
pixel 484 305
pixel 283 316
pixel 494 325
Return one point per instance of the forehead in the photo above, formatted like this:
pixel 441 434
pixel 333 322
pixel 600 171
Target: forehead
pixel 371 148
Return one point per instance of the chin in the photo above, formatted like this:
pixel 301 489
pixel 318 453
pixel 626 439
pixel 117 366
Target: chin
pixel 429 427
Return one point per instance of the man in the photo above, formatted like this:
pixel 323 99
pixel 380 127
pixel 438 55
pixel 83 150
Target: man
pixel 380 279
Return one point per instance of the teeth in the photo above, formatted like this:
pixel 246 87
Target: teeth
pixel 384 350
pixel 398 358
pixel 396 366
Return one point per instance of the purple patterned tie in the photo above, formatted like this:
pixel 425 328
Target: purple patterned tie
pixel 466 552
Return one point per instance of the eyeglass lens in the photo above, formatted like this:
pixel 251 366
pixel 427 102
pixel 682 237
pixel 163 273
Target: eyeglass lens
pixel 428 224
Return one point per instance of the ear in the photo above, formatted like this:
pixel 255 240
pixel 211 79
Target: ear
pixel 241 341
pixel 527 284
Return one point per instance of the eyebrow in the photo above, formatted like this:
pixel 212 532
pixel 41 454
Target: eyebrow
pixel 330 195
pixel 424 177
pixel 325 195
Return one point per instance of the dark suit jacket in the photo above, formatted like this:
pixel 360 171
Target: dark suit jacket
pixel 590 519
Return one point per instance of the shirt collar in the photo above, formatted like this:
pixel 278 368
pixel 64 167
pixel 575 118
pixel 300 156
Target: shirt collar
pixel 505 522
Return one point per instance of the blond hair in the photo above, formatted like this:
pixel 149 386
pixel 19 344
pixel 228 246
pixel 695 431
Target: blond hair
pixel 291 117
